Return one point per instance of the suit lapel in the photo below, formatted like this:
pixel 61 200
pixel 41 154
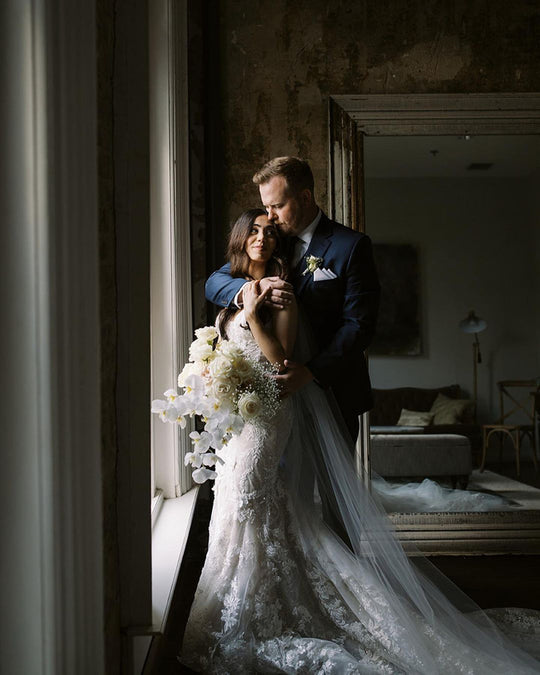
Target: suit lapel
pixel 317 247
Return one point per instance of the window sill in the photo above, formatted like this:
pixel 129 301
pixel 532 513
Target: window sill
pixel 170 533
pixel 157 503
pixel 169 539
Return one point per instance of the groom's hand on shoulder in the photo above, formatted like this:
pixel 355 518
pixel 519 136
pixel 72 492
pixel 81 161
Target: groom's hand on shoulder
pixel 294 378
pixel 280 294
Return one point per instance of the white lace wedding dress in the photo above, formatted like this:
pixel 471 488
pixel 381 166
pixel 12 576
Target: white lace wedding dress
pixel 280 593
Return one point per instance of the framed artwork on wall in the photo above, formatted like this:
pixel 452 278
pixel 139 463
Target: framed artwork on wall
pixel 398 327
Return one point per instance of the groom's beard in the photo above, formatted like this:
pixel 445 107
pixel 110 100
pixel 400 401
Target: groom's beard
pixel 296 222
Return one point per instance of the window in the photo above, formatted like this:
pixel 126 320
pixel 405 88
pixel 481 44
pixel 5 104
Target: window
pixel 170 263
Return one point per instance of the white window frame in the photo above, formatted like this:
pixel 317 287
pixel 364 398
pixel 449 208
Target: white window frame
pixel 170 242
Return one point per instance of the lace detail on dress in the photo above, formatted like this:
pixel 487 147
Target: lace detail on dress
pixel 239 333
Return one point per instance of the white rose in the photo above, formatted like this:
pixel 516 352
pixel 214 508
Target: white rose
pixel 206 334
pixel 242 368
pixel 230 350
pixel 249 405
pixel 222 388
pixel 200 351
pixel 234 380
pixel 220 367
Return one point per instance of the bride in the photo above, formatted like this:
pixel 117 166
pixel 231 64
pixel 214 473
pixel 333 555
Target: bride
pixel 280 592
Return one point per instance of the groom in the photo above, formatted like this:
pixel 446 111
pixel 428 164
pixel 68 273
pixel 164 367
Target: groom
pixel 334 279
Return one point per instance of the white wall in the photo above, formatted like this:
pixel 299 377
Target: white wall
pixel 477 248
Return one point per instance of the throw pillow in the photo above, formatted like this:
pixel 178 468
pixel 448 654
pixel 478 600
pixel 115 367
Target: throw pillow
pixel 450 410
pixel 414 418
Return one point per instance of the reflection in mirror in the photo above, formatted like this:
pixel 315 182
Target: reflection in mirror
pixel 455 226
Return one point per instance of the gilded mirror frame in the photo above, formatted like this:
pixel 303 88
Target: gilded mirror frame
pixel 351 118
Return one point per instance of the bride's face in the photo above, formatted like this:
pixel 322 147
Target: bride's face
pixel 261 241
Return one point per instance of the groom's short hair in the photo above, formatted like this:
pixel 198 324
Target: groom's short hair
pixel 296 172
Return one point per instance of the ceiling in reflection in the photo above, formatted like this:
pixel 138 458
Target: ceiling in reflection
pixel 451 156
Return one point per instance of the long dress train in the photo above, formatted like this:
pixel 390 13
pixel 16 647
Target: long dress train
pixel 281 593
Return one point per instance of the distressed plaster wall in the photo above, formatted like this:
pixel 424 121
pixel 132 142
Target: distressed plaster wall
pixel 279 60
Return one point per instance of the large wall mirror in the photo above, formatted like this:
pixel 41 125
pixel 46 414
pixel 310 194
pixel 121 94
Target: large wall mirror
pixel 448 188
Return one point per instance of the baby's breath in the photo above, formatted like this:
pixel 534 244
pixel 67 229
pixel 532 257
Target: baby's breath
pixel 267 388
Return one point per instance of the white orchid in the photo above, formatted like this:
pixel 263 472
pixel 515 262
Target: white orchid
pixel 196 406
pixel 182 408
pixel 220 408
pixel 193 458
pixel 201 441
pixel 211 459
pixel 159 407
pixel 196 368
pixel 233 424
pixel 194 386
pixel 205 409
pixel 212 424
pixel 219 441
pixel 202 475
pixel 172 415
pixel 165 409
pixel 214 427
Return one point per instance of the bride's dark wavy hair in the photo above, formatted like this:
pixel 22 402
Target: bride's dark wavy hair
pixel 239 260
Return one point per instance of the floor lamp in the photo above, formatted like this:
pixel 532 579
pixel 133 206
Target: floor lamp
pixel 473 325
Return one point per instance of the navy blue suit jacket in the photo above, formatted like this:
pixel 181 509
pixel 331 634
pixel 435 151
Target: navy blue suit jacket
pixel 342 311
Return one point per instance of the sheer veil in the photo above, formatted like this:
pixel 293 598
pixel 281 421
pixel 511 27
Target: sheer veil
pixel 420 611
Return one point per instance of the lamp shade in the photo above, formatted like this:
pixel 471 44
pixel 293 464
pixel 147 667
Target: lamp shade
pixel 472 323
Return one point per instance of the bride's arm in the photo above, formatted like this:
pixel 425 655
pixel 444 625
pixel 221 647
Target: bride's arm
pixel 285 324
pixel 276 341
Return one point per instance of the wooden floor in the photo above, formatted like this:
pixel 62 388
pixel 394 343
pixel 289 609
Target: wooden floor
pixel 476 576
pixel 527 474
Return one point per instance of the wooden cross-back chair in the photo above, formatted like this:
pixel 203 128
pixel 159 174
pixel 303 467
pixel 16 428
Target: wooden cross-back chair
pixel 529 405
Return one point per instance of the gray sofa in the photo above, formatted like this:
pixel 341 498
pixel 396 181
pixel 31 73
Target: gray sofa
pixel 435 451
pixel 419 456
pixel 388 404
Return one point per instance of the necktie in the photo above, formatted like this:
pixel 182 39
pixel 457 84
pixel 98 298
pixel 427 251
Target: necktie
pixel 296 250
pixel 295 258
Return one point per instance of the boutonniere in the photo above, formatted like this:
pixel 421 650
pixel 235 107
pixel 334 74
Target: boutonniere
pixel 312 263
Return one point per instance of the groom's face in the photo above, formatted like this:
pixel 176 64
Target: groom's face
pixel 284 208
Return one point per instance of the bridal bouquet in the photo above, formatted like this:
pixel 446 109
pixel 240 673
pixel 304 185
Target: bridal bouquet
pixel 225 389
